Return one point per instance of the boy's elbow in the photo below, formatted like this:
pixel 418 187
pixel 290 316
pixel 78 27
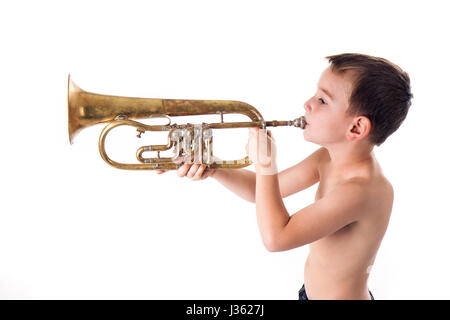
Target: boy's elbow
pixel 251 200
pixel 272 249
pixel 271 244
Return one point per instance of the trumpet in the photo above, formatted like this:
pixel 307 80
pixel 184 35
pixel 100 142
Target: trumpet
pixel 191 143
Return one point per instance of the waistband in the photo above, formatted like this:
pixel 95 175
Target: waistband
pixel 303 296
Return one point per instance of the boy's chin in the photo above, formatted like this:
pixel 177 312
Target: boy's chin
pixel 307 137
pixel 312 140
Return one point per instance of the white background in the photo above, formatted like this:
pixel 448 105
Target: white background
pixel 73 227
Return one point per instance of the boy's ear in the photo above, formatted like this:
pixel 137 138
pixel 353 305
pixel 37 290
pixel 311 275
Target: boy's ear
pixel 359 129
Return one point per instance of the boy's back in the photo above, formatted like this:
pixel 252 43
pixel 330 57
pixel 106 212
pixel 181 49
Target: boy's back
pixel 339 264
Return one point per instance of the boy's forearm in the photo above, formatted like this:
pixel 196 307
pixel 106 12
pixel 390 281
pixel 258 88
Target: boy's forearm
pixel 240 181
pixel 271 213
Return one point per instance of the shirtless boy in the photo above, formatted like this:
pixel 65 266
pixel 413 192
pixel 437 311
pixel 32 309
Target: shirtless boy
pixel 359 102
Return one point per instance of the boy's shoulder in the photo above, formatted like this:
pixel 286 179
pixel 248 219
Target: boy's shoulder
pixel 369 178
pixel 319 158
pixel 322 153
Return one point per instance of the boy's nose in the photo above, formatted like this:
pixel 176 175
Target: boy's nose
pixel 307 106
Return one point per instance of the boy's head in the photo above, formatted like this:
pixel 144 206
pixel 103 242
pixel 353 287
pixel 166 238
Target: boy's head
pixel 358 97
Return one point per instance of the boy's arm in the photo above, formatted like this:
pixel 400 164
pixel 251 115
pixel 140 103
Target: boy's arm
pixel 243 182
pixel 240 181
pixel 302 175
pixel 294 179
pixel 280 231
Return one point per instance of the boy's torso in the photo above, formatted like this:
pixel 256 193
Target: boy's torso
pixel 338 265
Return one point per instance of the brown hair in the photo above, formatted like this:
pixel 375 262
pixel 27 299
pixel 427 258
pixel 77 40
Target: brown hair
pixel 381 92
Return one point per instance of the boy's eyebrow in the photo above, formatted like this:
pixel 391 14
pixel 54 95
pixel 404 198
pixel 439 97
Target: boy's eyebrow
pixel 327 93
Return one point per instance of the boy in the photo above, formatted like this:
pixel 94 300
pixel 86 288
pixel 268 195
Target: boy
pixel 360 101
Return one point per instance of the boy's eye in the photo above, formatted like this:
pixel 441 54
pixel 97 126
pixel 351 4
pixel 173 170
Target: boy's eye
pixel 322 101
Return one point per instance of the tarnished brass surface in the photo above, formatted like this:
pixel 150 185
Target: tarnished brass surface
pixel 192 144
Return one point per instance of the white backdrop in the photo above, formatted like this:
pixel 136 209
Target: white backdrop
pixel 73 227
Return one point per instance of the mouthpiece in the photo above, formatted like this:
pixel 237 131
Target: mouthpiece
pixel 299 122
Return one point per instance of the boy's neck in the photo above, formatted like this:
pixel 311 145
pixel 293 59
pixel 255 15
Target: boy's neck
pixel 347 156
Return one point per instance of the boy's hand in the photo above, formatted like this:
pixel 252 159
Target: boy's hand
pixel 194 172
pixel 261 150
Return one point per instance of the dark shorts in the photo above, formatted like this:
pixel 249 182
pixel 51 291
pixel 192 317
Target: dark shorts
pixel 302 294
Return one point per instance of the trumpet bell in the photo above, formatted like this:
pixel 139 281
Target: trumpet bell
pixel 73 92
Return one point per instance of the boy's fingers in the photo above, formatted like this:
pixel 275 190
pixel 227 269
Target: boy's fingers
pixel 192 170
pixel 208 173
pixel 181 172
pixel 195 172
pixel 198 174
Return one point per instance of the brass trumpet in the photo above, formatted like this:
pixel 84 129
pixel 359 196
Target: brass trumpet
pixel 191 143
